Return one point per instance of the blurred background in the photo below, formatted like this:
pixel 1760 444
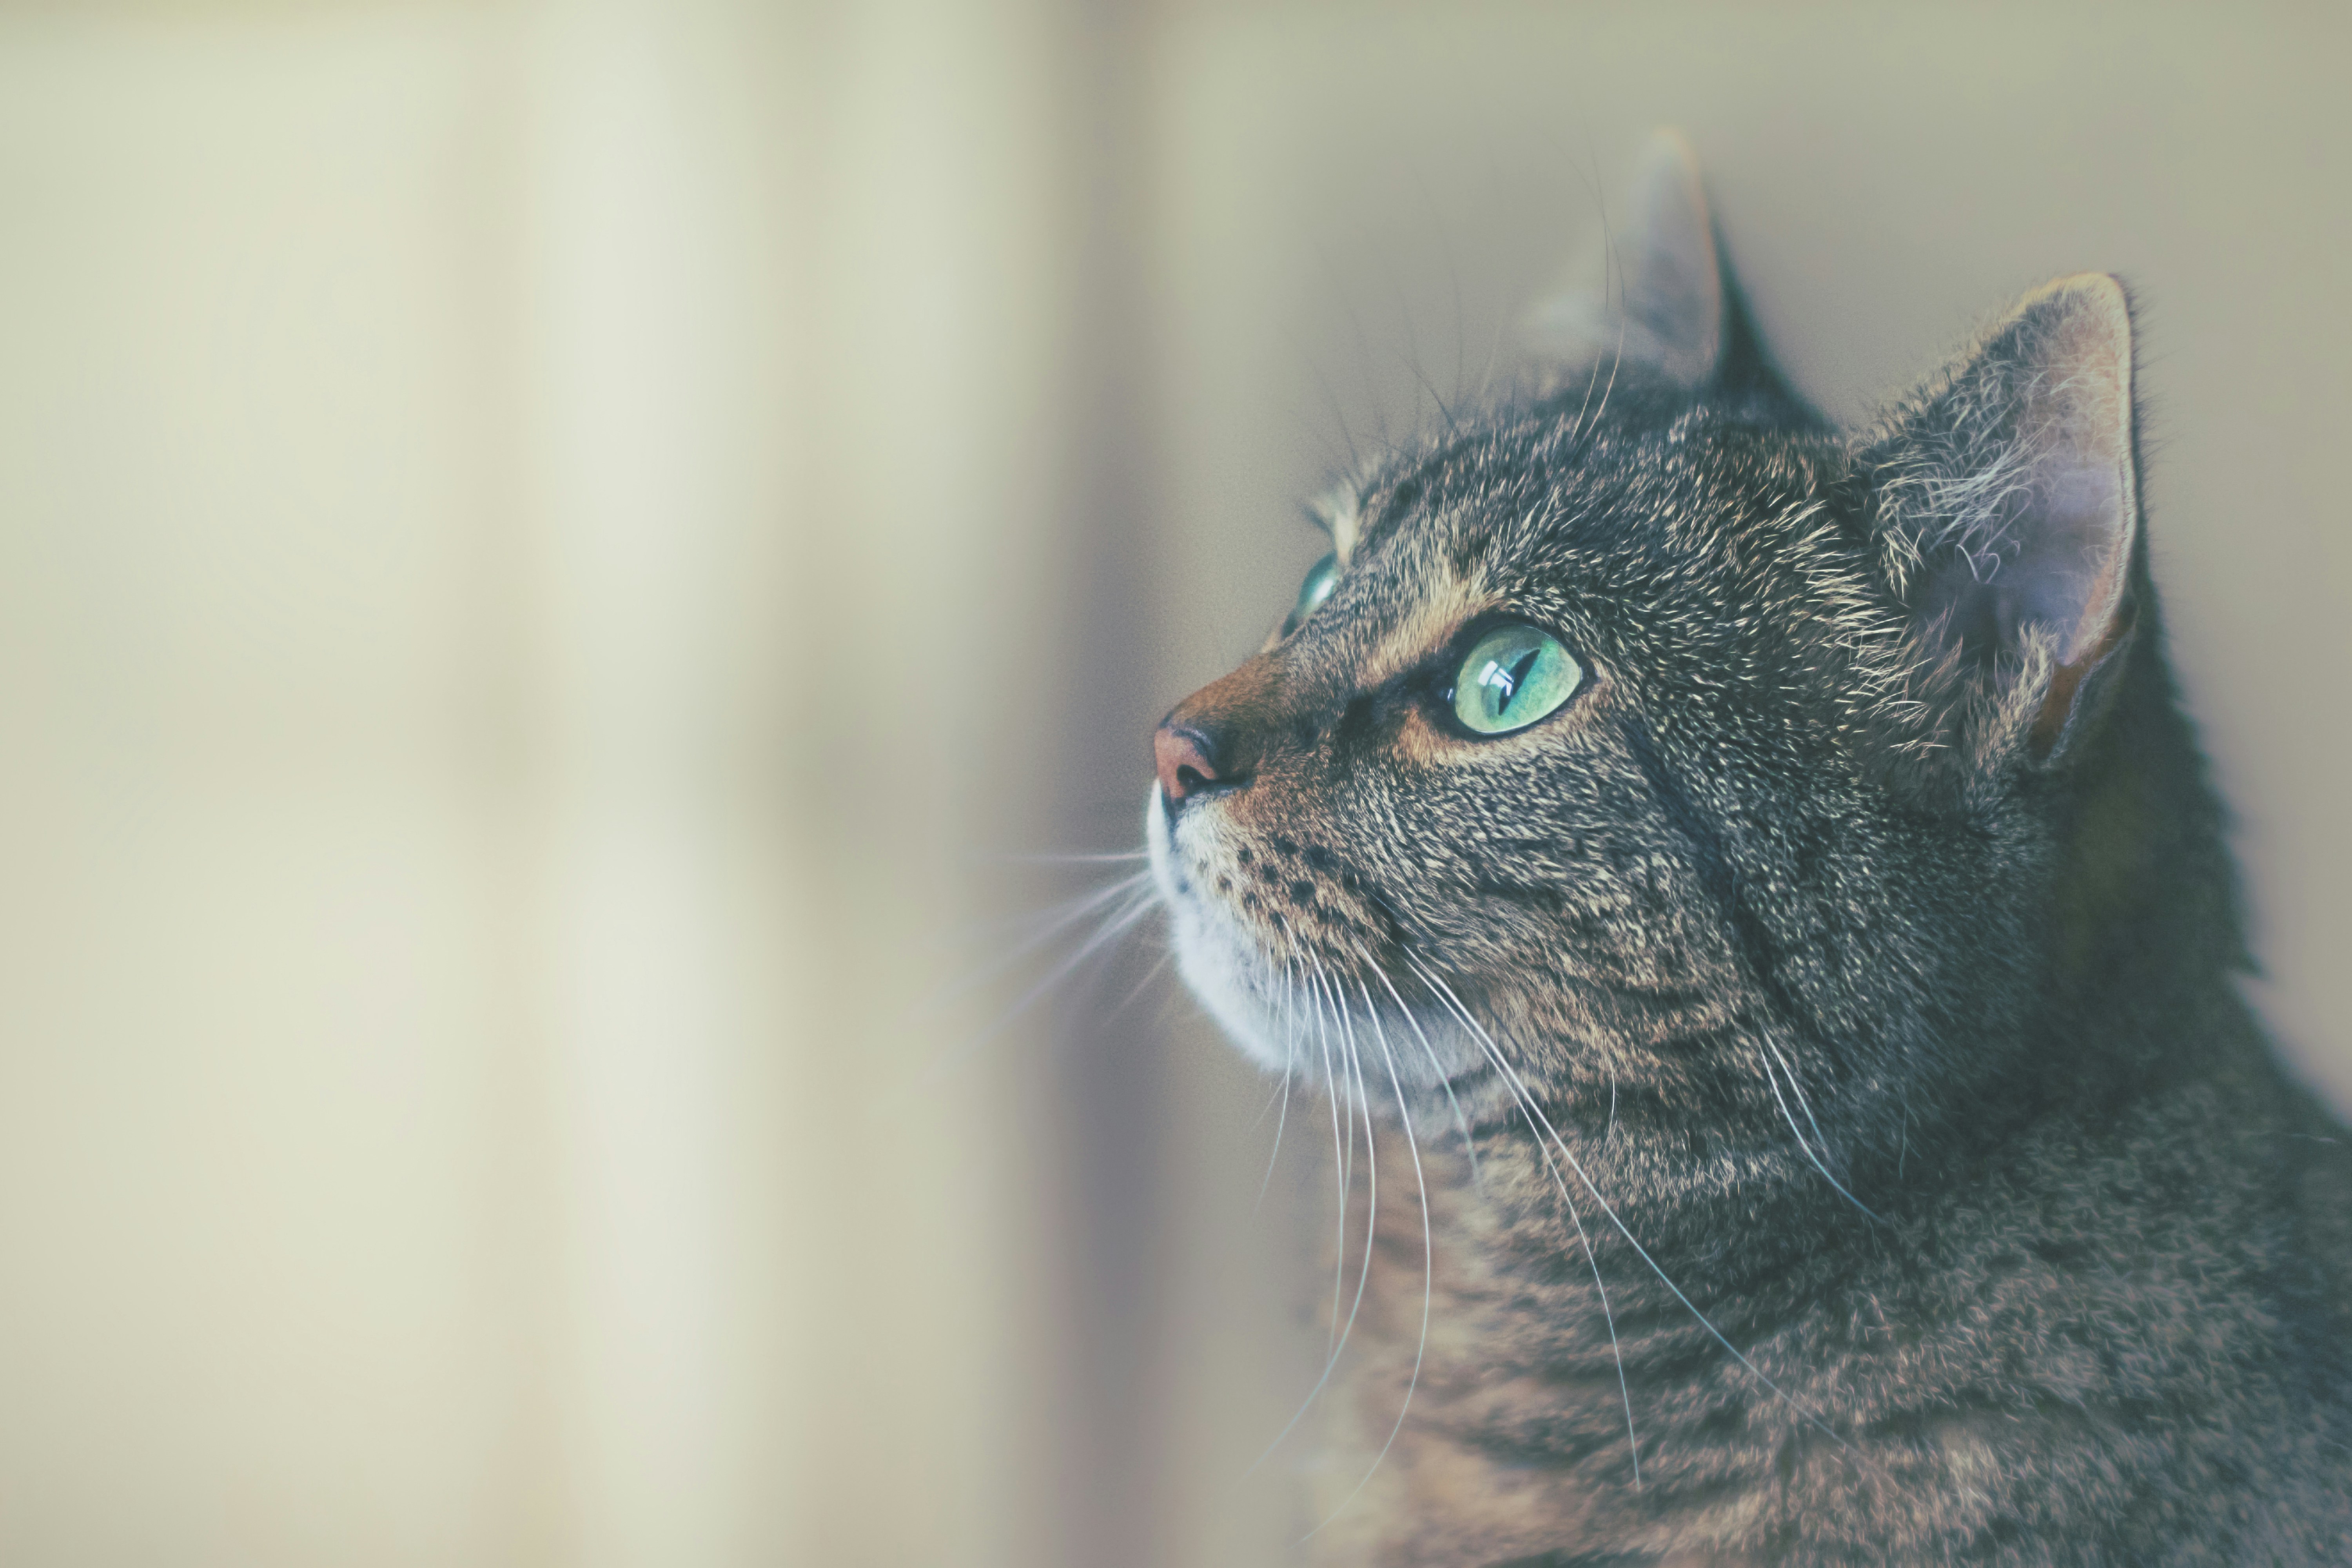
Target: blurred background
pixel 559 562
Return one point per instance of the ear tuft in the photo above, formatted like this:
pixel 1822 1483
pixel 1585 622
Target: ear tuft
pixel 1671 313
pixel 2006 500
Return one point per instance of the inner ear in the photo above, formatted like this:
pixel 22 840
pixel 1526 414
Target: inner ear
pixel 2007 495
pixel 2039 526
pixel 1673 275
pixel 1667 311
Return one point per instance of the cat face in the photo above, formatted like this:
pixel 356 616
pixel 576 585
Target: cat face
pixel 1557 662
pixel 1646 744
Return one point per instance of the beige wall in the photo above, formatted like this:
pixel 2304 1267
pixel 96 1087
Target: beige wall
pixel 488 503
pixel 549 551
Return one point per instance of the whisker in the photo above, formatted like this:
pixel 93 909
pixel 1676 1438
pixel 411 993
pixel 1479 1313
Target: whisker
pixel 1502 321
pixel 1289 1074
pixel 1428 1257
pixel 1623 319
pixel 1339 1040
pixel 1774 1079
pixel 1701 1318
pixel 1453 277
pixel 1411 355
pixel 1788 1066
pixel 1158 967
pixel 1371 1158
pixel 1272 1097
pixel 1333 281
pixel 1338 414
pixel 1461 1122
pixel 1526 1099
pixel 1371 1219
pixel 1113 929
pixel 1339 1167
pixel 1111 857
pixel 1615 360
pixel 1056 920
pixel 1607 273
pixel 1414 364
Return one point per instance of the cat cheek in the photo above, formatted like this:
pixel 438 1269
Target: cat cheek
pixel 1420 744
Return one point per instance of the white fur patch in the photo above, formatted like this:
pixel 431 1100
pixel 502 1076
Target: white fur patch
pixel 1276 1020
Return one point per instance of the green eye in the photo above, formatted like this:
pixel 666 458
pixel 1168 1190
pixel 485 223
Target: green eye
pixel 1322 578
pixel 1514 676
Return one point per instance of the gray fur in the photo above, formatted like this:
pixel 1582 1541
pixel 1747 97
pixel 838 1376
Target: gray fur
pixel 1817 834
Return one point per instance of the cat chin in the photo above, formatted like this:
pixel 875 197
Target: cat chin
pixel 1213 958
pixel 1274 1023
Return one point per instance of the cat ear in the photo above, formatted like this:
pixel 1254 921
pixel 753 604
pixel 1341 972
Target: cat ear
pixel 1668 312
pixel 2005 498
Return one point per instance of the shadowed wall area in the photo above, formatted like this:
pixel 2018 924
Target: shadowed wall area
pixel 559 563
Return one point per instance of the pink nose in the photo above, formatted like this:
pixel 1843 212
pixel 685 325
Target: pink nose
pixel 1188 763
pixel 1212 742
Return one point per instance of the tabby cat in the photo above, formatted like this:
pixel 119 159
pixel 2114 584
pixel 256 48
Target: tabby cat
pixel 1754 889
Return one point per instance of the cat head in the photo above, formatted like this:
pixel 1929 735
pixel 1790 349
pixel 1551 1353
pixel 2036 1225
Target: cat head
pixel 1645 744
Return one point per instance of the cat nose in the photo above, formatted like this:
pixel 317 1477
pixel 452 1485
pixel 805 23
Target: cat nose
pixel 1191 761
pixel 1211 741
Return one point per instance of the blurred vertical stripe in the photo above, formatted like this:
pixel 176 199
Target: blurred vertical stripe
pixel 508 512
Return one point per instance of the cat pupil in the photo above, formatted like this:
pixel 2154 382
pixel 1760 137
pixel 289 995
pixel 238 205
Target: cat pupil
pixel 1511 679
pixel 1502 684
